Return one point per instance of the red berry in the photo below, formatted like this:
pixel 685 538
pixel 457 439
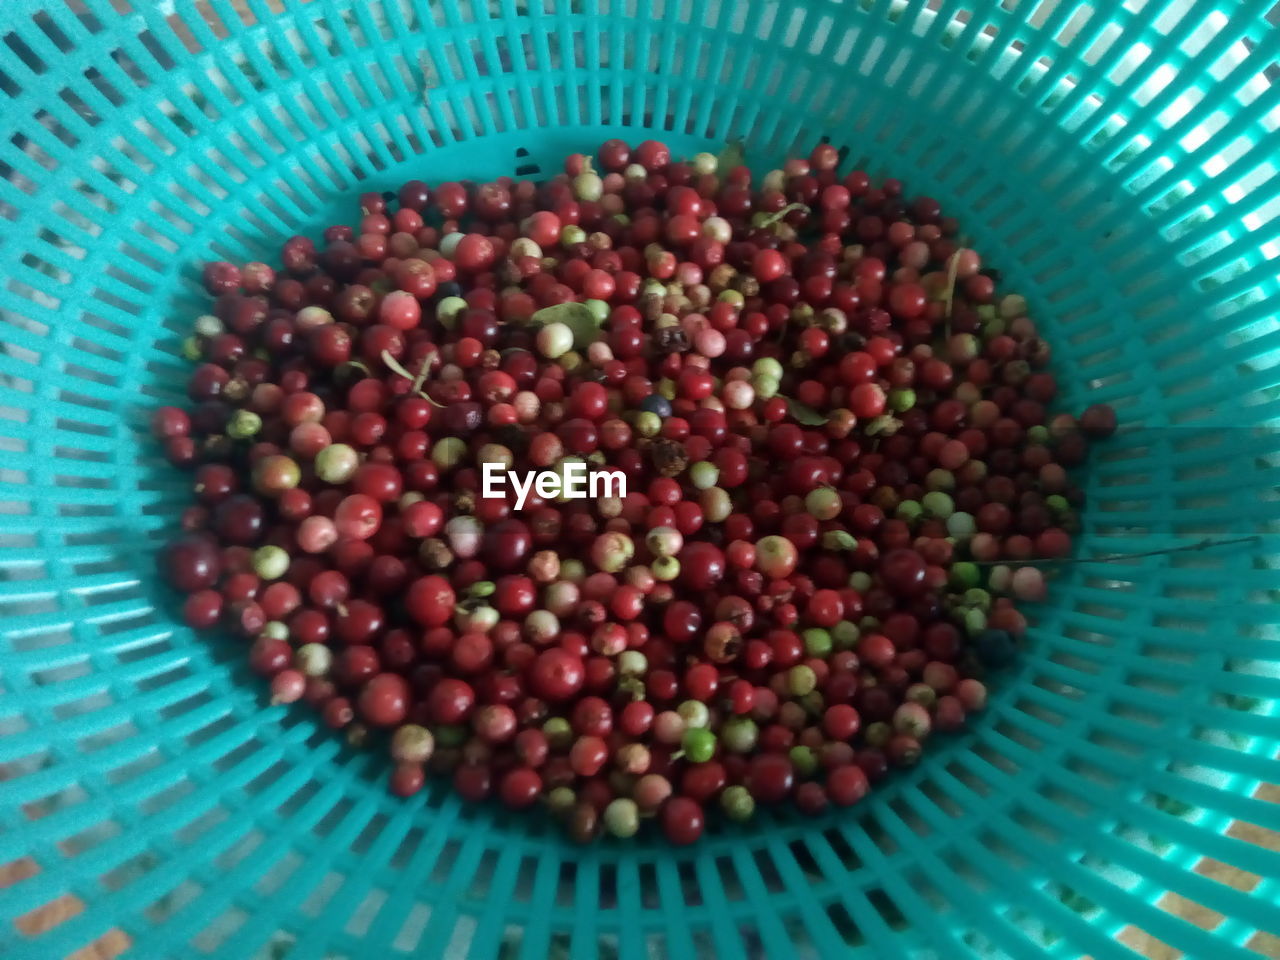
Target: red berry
pixel 682 820
pixel 384 700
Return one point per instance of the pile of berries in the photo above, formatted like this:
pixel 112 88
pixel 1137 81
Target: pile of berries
pixel 837 448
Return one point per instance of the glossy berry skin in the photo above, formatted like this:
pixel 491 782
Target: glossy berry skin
pixel 682 820
pixel 903 572
pixel 556 675
pixel 191 563
pixel 702 565
pixel 384 700
pixel 430 601
pixel 770 777
pixel 847 785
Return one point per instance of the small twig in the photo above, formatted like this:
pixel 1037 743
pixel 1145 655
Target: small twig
pixel 1204 544
pixel 773 218
pixel 395 366
pixel 423 371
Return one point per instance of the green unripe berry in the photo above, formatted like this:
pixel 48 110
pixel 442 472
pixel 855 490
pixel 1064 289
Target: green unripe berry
pixel 846 635
pixel 698 744
pixel 739 734
pixel 804 761
pixel 622 817
pixel 270 562
pixel 665 569
pixel 704 474
pixel 560 800
pixel 448 452
pixel 975 621
pixel 767 367
pixel 817 642
pixel 274 630
pixel 1057 503
pixel 901 399
pixel 939 479
pixel 648 424
pixel 962 526
pixel 964 575
pixel 737 803
pixel 801 680
pixel 337 463
pixel 559 733
pixel 766 388
pixel 449 310
pixel 909 511
pixel 243 425
pixel 937 504
pixel 694 713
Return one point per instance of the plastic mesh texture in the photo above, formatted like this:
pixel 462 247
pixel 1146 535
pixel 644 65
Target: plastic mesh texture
pixel 1117 164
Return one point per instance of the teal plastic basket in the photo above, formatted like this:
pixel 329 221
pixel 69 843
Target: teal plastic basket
pixel 1118 164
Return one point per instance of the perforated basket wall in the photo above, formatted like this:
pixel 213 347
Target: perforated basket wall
pixel 1117 164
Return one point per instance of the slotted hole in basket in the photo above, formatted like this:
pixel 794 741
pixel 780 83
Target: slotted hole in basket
pixel 364 840
pixel 939 796
pixel 239 851
pixel 648 883
pixel 219 930
pixel 889 911
pixel 24 765
pixel 908 817
pixel 607 886
pixel 90 837
pixel 9 86
pixel 804 858
pixel 129 871
pixel 1078 660
pixel 37 639
pixel 1132 714
pixel 920 883
pixel 365 913
pixel 996 758
pixel 1041 712
pixel 162 679
pixel 1072 803
pixel 84 373
pixel 415 925
pixel 24 52
pixel 334 817
pixel 267 778
pixel 62 673
pixel 730 883
pixel 167 798
pixel 323 892
pixel 190 833
pixel 1018 735
pixel 690 888
pixel 840 846
pixel 767 871
pixel 960 863
pixel 444 864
